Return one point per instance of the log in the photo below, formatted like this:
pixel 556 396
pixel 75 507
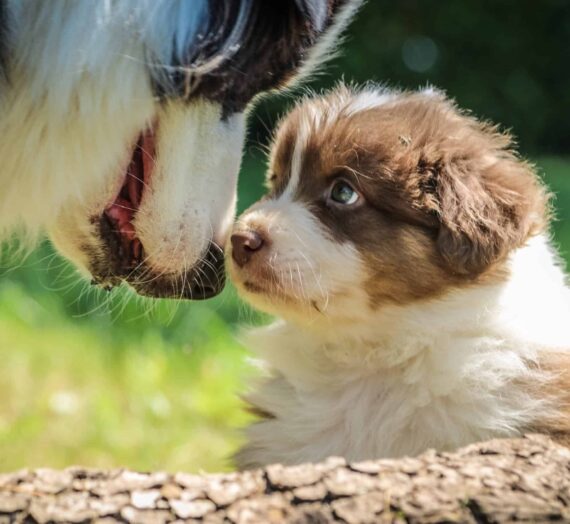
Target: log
pixel 525 479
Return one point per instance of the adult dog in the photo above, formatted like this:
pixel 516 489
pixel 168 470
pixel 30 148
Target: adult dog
pixel 122 124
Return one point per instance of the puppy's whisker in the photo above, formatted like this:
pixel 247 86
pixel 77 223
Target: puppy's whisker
pixel 301 283
pixel 310 265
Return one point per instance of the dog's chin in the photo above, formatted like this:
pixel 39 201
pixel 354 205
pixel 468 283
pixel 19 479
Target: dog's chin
pixel 202 280
pixel 96 250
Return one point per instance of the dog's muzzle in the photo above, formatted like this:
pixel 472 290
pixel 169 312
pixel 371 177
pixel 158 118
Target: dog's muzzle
pixel 205 280
pixel 122 256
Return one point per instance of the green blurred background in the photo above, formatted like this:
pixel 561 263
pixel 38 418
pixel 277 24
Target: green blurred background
pixel 114 380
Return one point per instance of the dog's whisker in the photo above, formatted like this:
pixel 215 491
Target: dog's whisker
pixel 139 179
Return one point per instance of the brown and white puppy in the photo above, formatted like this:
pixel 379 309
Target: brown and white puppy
pixel 404 245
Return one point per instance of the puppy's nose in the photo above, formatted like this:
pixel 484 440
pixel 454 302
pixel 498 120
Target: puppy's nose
pixel 244 245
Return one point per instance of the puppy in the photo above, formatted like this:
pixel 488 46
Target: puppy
pixel 405 247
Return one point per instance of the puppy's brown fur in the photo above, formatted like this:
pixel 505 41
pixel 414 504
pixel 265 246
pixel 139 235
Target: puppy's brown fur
pixel 447 197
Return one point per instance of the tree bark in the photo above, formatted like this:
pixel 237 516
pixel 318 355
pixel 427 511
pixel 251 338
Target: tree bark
pixel 524 479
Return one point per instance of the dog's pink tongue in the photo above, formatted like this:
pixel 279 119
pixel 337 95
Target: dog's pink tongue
pixel 121 212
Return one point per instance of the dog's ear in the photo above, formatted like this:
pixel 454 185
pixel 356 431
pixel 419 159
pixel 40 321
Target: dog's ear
pixel 317 11
pixel 321 13
pixel 328 19
pixel 487 201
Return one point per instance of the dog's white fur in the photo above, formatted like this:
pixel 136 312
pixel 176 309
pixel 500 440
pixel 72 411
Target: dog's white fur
pixel 349 379
pixel 78 96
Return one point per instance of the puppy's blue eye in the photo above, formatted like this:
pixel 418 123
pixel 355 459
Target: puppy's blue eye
pixel 342 193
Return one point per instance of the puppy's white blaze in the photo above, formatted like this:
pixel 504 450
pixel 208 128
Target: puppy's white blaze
pixel 306 125
pixel 190 199
pixel 295 166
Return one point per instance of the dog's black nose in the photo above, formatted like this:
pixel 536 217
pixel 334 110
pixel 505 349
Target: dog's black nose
pixel 244 245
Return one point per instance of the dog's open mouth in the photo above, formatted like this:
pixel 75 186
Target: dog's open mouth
pixel 122 210
pixel 124 257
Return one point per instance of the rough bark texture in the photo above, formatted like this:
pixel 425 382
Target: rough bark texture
pixel 498 481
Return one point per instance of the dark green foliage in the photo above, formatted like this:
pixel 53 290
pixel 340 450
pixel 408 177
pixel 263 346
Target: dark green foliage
pixel 507 60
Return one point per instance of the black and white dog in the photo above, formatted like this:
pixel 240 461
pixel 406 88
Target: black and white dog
pixel 122 124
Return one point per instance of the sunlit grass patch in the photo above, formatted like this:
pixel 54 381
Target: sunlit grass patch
pixel 75 393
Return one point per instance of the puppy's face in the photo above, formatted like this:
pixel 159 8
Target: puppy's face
pixel 381 198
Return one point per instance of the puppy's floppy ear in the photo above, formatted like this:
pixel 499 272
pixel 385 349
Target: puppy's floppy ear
pixel 488 201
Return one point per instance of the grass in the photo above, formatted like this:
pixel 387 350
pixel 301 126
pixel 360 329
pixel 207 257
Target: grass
pixel 113 380
pixel 90 393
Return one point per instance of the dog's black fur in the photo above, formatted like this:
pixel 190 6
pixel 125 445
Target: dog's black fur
pixel 275 39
